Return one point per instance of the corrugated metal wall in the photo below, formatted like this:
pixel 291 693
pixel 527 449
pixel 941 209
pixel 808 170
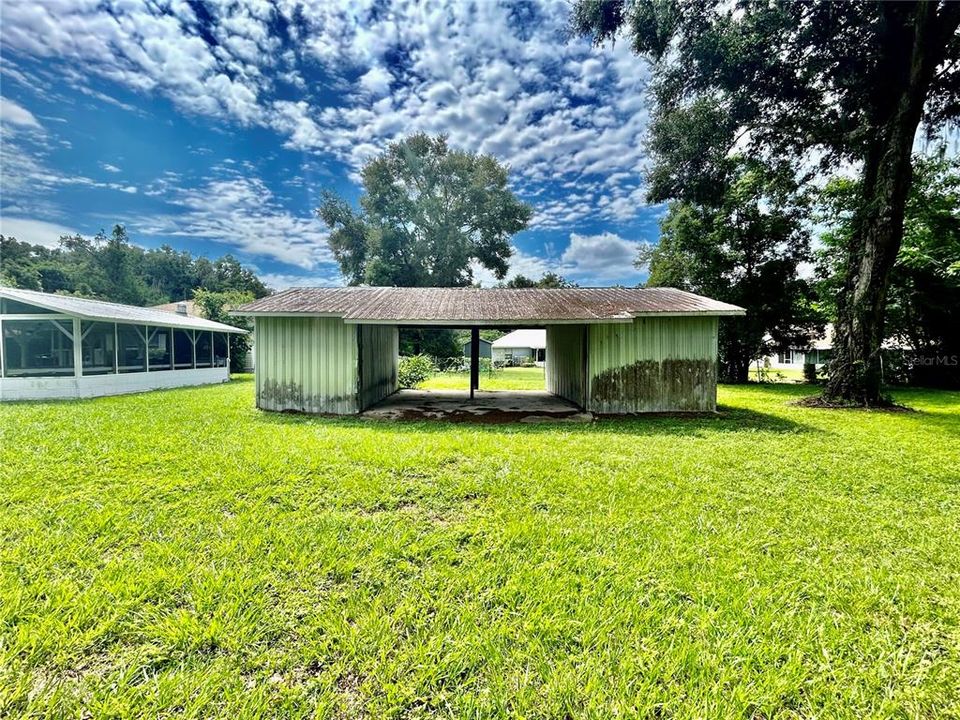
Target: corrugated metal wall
pixel 379 354
pixel 653 365
pixel 306 364
pixel 564 363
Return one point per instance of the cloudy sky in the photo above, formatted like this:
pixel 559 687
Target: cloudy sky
pixel 214 127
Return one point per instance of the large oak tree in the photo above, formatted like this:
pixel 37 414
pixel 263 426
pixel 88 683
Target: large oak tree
pixel 428 212
pixel 819 83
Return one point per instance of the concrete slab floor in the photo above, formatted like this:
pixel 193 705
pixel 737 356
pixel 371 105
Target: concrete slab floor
pixel 486 407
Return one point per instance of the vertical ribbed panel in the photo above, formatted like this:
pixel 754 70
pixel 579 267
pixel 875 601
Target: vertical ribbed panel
pixel 653 365
pixel 564 361
pixel 379 357
pixel 306 364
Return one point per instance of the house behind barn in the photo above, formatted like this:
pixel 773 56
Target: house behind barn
pixel 521 346
pixel 609 350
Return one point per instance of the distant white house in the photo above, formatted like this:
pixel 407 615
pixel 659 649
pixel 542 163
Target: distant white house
pixel 520 346
pixel 818 352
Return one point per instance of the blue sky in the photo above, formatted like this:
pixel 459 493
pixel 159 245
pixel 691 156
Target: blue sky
pixel 214 127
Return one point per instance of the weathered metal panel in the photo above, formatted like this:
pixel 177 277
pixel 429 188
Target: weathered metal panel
pixel 307 364
pixel 379 355
pixel 653 365
pixel 565 362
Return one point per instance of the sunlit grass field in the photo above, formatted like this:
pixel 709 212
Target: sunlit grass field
pixel 180 554
pixel 509 378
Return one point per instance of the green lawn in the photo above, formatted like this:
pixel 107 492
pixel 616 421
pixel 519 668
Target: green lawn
pixel 181 554
pixel 789 375
pixel 511 378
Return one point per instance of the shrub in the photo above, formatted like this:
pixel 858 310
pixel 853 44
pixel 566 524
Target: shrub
pixel 810 372
pixel 414 369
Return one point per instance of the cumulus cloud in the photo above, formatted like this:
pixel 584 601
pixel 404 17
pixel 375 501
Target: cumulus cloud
pixel 15 114
pixel 241 211
pixel 606 256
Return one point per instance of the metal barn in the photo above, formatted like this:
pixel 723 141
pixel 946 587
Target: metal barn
pixel 609 350
pixel 59 346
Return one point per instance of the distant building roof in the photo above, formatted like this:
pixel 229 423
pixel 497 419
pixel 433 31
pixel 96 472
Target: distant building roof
pixel 112 312
pixel 476 306
pixel 482 342
pixel 181 307
pixel 536 339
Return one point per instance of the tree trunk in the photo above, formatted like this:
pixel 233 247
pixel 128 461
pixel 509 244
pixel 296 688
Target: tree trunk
pixel 855 372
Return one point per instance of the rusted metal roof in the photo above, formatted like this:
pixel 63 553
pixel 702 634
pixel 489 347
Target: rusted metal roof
pixel 479 306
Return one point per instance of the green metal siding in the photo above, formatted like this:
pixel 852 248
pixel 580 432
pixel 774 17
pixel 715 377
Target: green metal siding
pixel 653 365
pixel 564 363
pixel 306 364
pixel 379 353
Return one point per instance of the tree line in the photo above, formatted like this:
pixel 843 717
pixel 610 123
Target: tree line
pixel 110 267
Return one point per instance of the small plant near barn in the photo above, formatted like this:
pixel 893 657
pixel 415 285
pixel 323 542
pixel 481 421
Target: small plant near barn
pixel 414 370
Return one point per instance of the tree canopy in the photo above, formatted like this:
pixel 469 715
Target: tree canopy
pixel 743 247
pixel 112 268
pixel 923 301
pixel 427 213
pixel 810 84
pixel 549 280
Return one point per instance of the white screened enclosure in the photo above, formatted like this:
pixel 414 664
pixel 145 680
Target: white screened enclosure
pixel 55 346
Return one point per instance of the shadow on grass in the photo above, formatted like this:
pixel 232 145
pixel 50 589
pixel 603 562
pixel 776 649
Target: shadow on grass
pixel 726 419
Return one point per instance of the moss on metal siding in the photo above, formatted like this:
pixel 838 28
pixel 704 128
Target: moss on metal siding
pixel 379 352
pixel 653 365
pixel 306 364
pixel 564 363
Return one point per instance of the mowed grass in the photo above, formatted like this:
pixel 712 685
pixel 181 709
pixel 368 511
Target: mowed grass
pixel 180 554
pixel 509 378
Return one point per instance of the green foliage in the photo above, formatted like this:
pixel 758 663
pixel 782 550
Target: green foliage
pixel 426 214
pixel 112 268
pixel 437 342
pixel 492 377
pixel 216 306
pixel 549 280
pixel 923 301
pixel 414 369
pixel 744 248
pixel 179 554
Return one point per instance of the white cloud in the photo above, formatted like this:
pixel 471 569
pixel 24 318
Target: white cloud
pixel 31 230
pixel 376 81
pixel 607 256
pixel 109 168
pixel 282 281
pixel 240 211
pixel 15 114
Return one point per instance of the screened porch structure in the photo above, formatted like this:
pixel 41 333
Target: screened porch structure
pixel 57 346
